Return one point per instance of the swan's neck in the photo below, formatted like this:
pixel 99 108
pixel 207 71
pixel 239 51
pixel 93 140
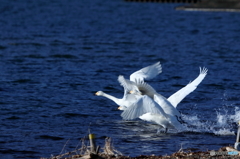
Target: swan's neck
pixel 116 100
pixel 125 94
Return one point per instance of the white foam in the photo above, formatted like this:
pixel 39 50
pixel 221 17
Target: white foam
pixel 222 124
pixel 223 132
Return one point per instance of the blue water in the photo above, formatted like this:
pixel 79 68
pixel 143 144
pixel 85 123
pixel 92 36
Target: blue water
pixel 54 55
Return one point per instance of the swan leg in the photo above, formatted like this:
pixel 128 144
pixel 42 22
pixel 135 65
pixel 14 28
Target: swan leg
pixel 162 131
pixel 166 130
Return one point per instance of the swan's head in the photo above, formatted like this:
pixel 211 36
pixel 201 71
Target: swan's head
pixel 99 93
pixel 122 108
pixel 136 92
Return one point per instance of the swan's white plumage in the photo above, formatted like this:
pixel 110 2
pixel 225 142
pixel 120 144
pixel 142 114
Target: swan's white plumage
pixel 148 90
pixel 127 100
pixel 166 105
pixel 169 116
pixel 128 85
pixel 145 103
pixel 151 107
pixel 142 106
pixel 146 73
pixel 177 97
pixel 158 119
pixel 147 109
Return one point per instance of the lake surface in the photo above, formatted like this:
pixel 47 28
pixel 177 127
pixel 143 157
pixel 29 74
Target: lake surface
pixel 54 56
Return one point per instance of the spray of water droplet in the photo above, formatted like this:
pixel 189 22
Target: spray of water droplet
pixel 223 124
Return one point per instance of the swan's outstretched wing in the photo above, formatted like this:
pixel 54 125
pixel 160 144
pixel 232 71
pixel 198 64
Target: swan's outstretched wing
pixel 146 73
pixel 143 105
pixel 128 85
pixel 182 93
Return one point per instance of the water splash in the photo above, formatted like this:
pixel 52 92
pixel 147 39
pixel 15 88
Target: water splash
pixel 223 132
pixel 223 124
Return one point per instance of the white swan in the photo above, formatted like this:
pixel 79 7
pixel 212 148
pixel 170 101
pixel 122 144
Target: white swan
pixel 147 73
pixel 149 110
pixel 142 88
pixel 147 104
pixel 171 114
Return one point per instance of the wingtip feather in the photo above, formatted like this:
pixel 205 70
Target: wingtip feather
pixel 159 67
pixel 203 70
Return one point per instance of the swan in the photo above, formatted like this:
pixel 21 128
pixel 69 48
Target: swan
pixel 149 117
pixel 171 114
pixel 128 99
pixel 146 108
pixel 142 88
pixel 146 104
pixel 149 110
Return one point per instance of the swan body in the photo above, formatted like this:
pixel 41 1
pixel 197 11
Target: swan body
pixel 154 113
pixel 156 118
pixel 143 105
pixel 167 106
pixel 149 110
pixel 146 89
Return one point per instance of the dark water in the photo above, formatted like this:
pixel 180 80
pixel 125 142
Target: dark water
pixel 54 55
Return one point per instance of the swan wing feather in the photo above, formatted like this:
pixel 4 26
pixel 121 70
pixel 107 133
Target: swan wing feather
pixel 177 97
pixel 146 73
pixel 143 105
pixel 127 84
pixel 166 105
